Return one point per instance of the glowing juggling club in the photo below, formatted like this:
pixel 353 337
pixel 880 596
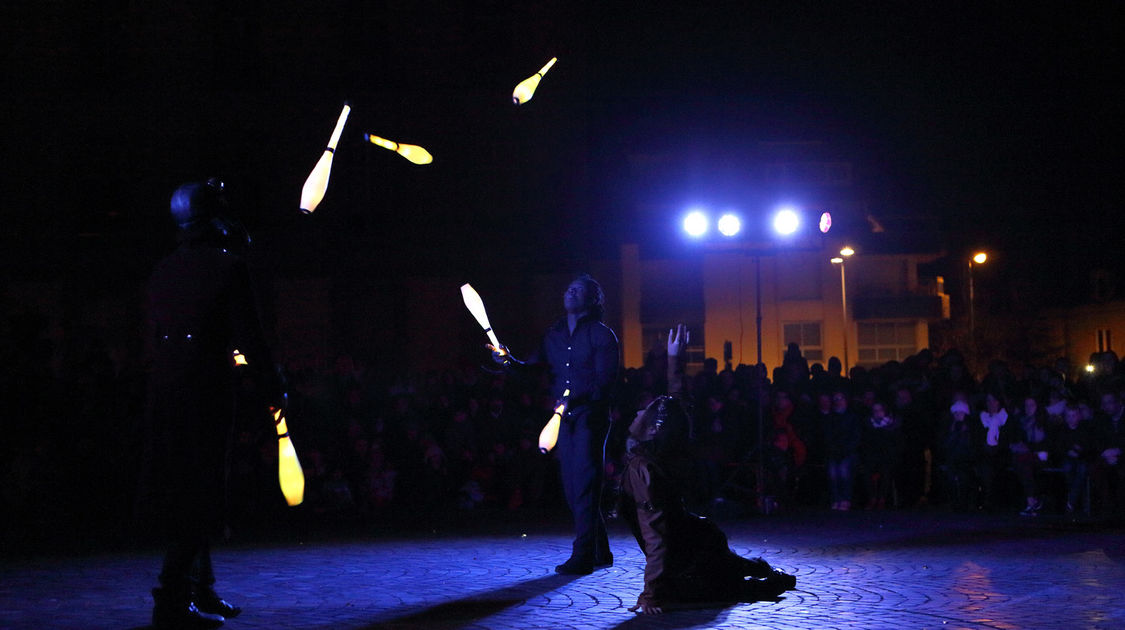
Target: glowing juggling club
pixel 313 191
pixel 476 307
pixel 412 152
pixel 289 471
pixel 238 357
pixel 526 89
pixel 550 433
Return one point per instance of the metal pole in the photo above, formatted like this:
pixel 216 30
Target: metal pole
pixel 758 382
pixel 758 301
pixel 844 305
pixel 972 306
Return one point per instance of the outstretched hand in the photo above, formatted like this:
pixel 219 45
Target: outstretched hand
pixel 646 609
pixel 678 339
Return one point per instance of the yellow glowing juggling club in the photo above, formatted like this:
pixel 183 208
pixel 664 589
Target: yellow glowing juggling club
pixel 550 433
pixel 476 307
pixel 412 152
pixel 312 193
pixel 526 89
pixel 239 358
pixel 289 471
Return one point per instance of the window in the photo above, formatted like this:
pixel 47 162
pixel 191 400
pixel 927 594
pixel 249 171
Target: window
pixel 881 342
pixel 807 336
pixel 1105 342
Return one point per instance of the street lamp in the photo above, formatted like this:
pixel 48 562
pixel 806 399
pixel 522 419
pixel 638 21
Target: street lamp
pixel 845 253
pixel 978 258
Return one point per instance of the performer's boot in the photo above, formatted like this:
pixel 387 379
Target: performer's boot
pixel 575 566
pixel 762 588
pixel 208 601
pixel 759 568
pixel 174 610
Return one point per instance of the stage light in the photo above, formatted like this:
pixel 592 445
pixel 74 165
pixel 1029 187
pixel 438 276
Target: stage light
pixel 695 223
pixel 825 223
pixel 729 224
pixel 786 221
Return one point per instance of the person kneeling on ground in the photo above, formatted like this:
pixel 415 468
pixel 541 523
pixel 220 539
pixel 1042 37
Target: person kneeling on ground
pixel 687 557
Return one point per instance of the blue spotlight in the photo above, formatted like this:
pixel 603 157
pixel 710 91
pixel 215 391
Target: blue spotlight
pixel 695 223
pixel 730 224
pixel 786 221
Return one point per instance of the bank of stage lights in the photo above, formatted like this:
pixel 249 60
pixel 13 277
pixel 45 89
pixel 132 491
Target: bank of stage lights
pixel 786 221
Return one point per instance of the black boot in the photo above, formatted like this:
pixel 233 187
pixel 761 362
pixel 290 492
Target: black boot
pixel 575 566
pixel 759 568
pixel 175 611
pixel 758 589
pixel 208 601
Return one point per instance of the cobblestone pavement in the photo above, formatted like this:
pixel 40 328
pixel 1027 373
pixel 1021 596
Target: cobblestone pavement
pixel 855 570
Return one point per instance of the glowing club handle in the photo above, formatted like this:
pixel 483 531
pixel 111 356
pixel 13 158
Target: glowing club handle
pixel 289 473
pixel 550 433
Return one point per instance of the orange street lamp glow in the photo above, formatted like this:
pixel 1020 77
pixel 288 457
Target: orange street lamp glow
pixel 289 472
pixel 476 307
pixel 980 257
pixel 412 152
pixel 526 89
pixel 312 193
pixel 847 251
pixel 550 434
pixel 836 261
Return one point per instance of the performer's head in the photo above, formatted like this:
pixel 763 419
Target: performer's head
pixel 584 296
pixel 200 211
pixel 664 423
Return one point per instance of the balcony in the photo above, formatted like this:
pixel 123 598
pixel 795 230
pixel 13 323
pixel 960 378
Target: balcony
pixel 927 307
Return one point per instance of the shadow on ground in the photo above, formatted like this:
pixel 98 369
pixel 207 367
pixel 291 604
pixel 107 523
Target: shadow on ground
pixel 458 613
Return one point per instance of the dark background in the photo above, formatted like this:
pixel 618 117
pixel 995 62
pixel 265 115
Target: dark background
pixel 996 124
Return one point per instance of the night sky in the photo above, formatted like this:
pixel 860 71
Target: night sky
pixel 998 124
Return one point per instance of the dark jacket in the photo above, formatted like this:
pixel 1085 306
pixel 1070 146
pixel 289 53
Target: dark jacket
pixel 200 308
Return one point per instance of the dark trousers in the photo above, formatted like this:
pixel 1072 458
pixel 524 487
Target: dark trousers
pixel 581 440
pixel 187 564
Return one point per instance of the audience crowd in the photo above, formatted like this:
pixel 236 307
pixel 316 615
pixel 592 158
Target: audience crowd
pixel 423 448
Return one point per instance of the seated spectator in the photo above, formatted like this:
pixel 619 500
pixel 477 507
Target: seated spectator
pixel 991 443
pixel 784 454
pixel 957 458
pixel 1075 449
pixel 1108 470
pixel 881 449
pixel 842 435
pixel 1029 451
